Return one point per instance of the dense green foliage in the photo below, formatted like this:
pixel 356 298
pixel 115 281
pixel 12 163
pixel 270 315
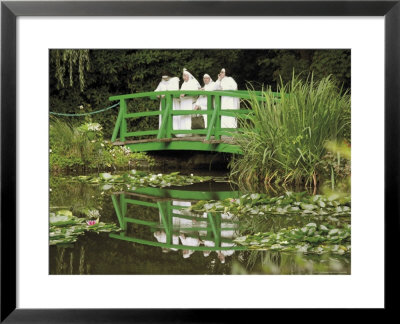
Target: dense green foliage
pixel 301 203
pixel 284 141
pixel 83 148
pixel 294 222
pixel 69 60
pixel 87 78
pixel 311 238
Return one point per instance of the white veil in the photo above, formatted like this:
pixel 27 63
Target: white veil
pixel 208 76
pixel 192 78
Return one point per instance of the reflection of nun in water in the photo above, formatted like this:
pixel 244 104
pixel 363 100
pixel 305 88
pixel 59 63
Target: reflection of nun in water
pixel 227 234
pixel 207 242
pixel 184 226
pixel 161 237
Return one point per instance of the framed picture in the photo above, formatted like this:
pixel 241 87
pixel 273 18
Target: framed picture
pixel 34 38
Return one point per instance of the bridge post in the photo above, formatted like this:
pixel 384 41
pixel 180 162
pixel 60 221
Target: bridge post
pixel 164 112
pixel 212 121
pixel 217 237
pixel 117 125
pixel 163 210
pixel 218 120
pixel 118 212
pixel 210 106
pixel 123 208
pixel 169 116
pixel 124 124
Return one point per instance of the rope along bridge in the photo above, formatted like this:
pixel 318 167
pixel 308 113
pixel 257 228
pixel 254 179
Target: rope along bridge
pixel 212 138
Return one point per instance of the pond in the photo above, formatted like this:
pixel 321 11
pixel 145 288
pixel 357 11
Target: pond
pixel 138 223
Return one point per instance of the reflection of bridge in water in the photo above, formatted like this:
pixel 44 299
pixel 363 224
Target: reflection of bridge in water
pixel 177 227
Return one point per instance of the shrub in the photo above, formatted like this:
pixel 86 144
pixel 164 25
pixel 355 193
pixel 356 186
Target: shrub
pixel 83 148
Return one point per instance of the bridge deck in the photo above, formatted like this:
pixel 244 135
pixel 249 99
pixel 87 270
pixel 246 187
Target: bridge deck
pixel 194 143
pixel 202 139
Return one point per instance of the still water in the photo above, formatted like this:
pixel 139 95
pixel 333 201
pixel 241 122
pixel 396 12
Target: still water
pixel 158 235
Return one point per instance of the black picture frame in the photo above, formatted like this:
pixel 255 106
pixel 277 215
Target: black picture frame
pixel 10 10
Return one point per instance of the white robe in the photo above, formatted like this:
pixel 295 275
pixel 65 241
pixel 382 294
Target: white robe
pixel 187 103
pixel 229 233
pixel 181 222
pixel 169 85
pixel 202 100
pixel 161 237
pixel 228 83
pixel 189 241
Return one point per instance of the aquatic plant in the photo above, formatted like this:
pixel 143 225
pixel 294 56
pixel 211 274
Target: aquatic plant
pixel 83 147
pixel 337 164
pixel 283 140
pixel 291 203
pixel 65 228
pixel 311 238
pixel 135 178
pixel 277 223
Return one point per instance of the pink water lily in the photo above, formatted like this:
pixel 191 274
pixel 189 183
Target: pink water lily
pixel 91 222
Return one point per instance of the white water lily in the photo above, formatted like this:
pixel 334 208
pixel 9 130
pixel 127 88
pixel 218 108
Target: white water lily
pixel 333 231
pixel 302 248
pixel 94 127
pixel 311 225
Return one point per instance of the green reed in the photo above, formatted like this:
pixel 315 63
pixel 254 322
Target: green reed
pixel 284 138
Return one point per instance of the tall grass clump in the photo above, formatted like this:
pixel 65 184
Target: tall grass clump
pixel 284 138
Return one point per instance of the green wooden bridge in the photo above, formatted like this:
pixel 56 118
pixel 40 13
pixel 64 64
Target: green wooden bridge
pixel 212 138
pixel 213 224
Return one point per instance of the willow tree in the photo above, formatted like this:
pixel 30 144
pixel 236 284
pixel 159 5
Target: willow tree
pixel 66 62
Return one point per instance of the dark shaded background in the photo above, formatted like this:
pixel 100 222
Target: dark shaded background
pixel 113 72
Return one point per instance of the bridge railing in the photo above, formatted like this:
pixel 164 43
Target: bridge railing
pixel 214 113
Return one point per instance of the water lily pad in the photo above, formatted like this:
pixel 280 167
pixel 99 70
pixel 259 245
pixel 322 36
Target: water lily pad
pixel 64 212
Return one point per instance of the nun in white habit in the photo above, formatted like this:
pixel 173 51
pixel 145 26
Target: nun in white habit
pixel 187 102
pixel 201 103
pixel 168 84
pixel 227 83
